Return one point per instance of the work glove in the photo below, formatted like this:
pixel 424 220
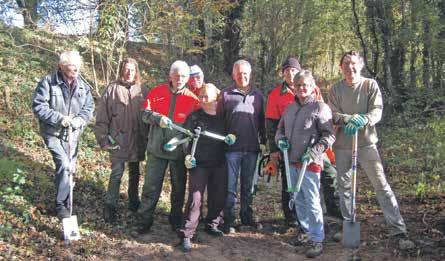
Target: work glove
pixel 165 122
pixel 309 156
pixel 359 120
pixel 283 144
pixel 190 162
pixel 347 118
pixel 350 129
pixel 77 123
pixel 230 139
pixel 262 149
pixel 66 121
pixel 113 146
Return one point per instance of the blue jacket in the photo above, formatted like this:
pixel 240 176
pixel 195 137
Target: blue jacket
pixel 243 116
pixel 52 100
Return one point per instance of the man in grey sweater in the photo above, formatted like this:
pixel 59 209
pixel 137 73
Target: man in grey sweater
pixel 357 105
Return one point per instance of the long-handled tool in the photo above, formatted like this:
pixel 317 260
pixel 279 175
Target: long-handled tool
pixel 172 144
pixel 229 139
pixel 70 226
pixel 304 167
pixel 351 228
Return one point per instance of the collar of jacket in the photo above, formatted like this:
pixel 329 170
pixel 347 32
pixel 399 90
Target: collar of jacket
pixel 178 91
pixel 234 89
pixel 309 99
pixel 285 89
pixel 58 79
pixel 126 93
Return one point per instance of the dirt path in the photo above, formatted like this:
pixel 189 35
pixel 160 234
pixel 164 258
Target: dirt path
pixel 271 242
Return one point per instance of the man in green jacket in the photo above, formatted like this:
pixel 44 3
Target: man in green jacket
pixel 357 105
pixel 167 103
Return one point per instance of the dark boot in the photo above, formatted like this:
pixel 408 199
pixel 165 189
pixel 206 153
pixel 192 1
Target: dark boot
pixel 110 214
pixel 133 186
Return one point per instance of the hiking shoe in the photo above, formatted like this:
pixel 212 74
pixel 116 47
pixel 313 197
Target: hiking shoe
pixel 314 250
pixel 213 231
pixel 186 244
pixel 337 237
pixel 404 242
pixel 301 239
pixel 250 223
pixel 63 212
pixel 228 229
pixel 110 215
pixel 144 227
pixel 292 223
pixel 133 206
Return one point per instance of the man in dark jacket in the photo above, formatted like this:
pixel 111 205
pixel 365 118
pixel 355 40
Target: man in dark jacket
pixel 164 104
pixel 120 130
pixel 242 108
pixel 63 102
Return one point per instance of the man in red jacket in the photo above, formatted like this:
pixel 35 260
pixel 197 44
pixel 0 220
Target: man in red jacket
pixel 164 104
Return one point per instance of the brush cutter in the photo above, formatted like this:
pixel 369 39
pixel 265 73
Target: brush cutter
pixel 351 228
pixel 70 226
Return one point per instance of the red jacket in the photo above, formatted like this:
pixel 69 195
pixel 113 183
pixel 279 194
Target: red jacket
pixel 176 106
pixel 159 100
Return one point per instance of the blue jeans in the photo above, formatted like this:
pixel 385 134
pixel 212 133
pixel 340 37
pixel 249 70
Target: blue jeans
pixel 240 164
pixel 307 205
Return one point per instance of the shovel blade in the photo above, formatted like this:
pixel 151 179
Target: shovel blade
pixel 70 229
pixel 351 234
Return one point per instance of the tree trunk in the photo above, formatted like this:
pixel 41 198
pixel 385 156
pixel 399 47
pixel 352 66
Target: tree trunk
pixel 232 36
pixel 29 12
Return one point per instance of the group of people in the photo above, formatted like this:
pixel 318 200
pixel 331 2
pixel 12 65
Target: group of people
pixel 133 122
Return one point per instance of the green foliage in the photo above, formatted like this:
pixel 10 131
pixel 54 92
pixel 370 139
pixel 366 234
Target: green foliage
pixel 418 150
pixel 12 180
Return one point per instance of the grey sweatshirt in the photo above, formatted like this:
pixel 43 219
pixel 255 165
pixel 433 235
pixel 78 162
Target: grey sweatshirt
pixel 362 98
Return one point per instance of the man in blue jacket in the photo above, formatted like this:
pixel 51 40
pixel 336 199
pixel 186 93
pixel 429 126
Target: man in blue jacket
pixel 242 108
pixel 62 101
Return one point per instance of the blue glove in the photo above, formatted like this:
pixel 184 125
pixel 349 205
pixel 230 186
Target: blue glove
pixel 350 129
pixel 190 162
pixel 309 155
pixel 230 139
pixel 359 120
pixel 165 122
pixel 283 144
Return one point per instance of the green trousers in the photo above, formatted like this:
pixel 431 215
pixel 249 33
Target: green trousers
pixel 154 178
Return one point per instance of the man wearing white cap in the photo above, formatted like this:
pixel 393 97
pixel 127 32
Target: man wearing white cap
pixel 196 80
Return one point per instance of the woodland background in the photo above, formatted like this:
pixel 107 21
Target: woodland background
pixel 402 42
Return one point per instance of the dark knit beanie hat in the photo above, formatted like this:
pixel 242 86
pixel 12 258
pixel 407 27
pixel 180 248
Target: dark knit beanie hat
pixel 291 62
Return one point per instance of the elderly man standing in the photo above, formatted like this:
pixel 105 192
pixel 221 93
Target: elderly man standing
pixel 357 106
pixel 164 104
pixel 196 80
pixel 119 130
pixel 63 102
pixel 242 108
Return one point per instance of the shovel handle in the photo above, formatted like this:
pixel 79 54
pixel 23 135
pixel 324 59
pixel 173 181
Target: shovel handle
pixel 354 175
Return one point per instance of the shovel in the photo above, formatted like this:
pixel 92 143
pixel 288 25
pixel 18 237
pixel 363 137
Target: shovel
pixel 70 226
pixel 351 228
